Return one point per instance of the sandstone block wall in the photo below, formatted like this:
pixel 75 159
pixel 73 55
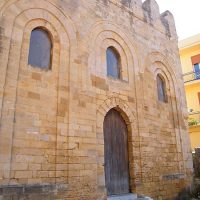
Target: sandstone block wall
pixel 51 122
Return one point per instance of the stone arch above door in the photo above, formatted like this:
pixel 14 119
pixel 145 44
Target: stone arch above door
pixel 118 104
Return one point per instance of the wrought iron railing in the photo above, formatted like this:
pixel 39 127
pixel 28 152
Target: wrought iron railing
pixel 191 76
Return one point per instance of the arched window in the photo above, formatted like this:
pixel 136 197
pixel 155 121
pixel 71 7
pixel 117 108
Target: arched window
pixel 113 63
pixel 40 49
pixel 161 87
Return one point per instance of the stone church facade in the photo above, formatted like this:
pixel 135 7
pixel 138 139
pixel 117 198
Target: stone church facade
pixel 54 115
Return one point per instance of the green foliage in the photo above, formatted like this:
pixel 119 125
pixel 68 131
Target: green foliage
pixel 193 122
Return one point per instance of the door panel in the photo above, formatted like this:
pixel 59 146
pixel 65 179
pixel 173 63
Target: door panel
pixel 116 154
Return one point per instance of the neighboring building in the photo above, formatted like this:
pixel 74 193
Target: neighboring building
pixel 190 59
pixel 92 101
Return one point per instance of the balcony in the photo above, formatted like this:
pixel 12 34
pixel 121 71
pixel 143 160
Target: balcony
pixel 191 76
pixel 194 119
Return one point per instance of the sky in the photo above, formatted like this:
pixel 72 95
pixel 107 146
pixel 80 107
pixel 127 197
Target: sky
pixel 186 14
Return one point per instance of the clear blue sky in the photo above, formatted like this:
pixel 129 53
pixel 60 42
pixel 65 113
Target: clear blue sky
pixel 186 14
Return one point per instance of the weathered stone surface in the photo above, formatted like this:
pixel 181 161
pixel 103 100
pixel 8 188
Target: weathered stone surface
pixel 26 192
pixel 51 121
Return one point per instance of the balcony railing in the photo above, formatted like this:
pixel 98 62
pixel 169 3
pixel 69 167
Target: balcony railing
pixel 194 118
pixel 191 76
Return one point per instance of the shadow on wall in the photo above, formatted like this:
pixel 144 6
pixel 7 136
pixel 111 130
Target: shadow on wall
pixel 193 192
pixel 196 161
pixel 33 192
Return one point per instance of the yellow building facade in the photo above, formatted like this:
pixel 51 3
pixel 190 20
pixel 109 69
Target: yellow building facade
pixel 190 59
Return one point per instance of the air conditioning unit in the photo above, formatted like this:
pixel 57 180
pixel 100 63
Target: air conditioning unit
pixel 190 110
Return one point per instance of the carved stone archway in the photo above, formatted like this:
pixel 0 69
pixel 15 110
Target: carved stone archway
pixel 130 118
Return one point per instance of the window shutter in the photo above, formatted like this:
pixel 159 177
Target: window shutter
pixel 199 97
pixel 195 59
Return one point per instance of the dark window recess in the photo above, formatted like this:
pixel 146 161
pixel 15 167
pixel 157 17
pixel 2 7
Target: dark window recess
pixel 161 87
pixel 40 49
pixel 113 62
pixel 197 70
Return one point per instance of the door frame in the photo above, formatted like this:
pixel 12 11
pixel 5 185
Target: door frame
pixel 128 149
pixel 130 118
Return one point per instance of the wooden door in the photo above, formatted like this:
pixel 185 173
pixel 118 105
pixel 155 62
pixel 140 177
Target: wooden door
pixel 116 154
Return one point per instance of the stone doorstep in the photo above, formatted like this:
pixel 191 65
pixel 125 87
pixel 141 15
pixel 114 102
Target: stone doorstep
pixel 128 197
pixel 123 197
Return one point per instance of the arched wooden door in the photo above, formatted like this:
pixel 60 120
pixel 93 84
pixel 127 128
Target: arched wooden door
pixel 116 154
